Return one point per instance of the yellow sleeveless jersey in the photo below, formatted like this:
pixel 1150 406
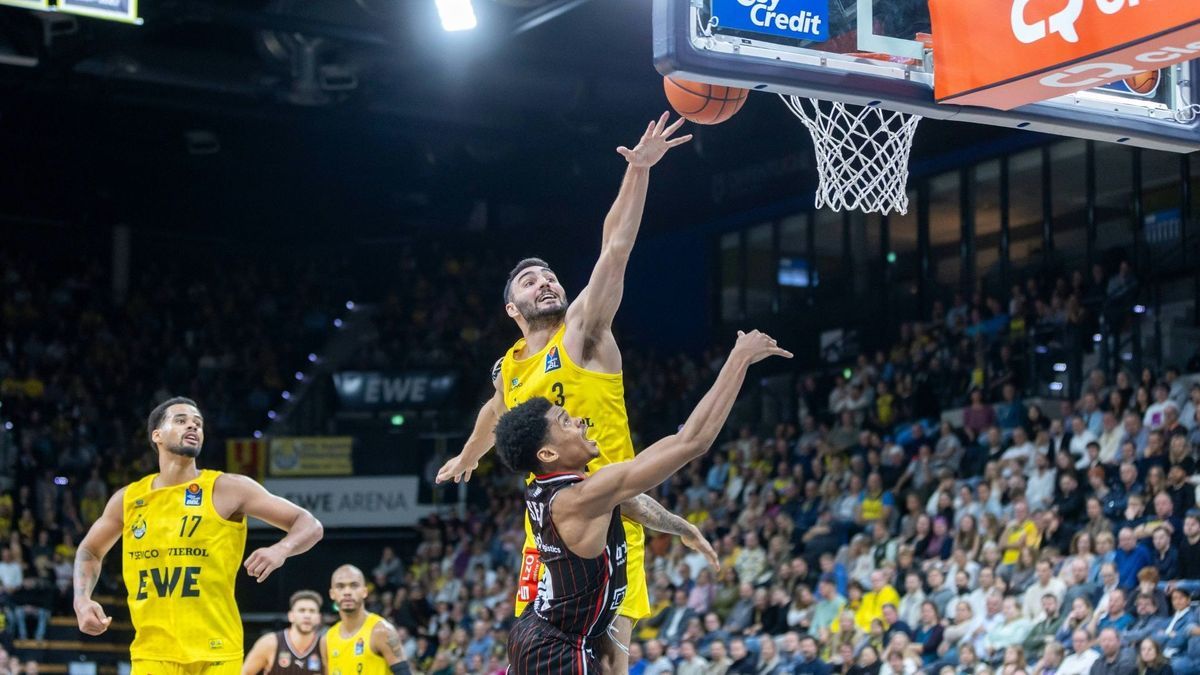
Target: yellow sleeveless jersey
pixel 180 562
pixel 352 655
pixel 597 397
pixel 600 399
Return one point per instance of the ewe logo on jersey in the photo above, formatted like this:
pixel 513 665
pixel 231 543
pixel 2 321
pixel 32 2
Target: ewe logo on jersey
pixel 798 19
pixel 552 360
pixel 194 495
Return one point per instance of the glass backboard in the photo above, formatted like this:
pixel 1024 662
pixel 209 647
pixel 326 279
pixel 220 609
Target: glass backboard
pixel 878 52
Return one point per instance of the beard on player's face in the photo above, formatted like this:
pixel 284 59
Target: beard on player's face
pixel 539 315
pixel 184 449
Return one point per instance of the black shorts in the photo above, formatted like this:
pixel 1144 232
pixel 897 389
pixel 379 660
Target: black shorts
pixel 537 648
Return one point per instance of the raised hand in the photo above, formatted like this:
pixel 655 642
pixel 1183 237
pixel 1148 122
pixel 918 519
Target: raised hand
pixel 695 540
pixel 457 469
pixel 654 143
pixel 757 346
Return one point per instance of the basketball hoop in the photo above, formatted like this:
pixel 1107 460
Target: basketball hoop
pixel 862 153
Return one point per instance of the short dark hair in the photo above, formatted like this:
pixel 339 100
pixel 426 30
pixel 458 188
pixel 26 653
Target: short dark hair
pixel 521 267
pixel 160 411
pixel 304 595
pixel 521 432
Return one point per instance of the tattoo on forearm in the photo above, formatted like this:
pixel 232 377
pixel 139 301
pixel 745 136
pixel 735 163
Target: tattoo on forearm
pixel 656 517
pixel 87 572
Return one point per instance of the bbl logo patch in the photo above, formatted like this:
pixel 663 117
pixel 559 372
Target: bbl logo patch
pixel 139 527
pixel 194 495
pixel 553 362
pixel 358 647
pixel 314 663
pixel 516 382
pixel 285 660
pixel 216 644
pixel 139 503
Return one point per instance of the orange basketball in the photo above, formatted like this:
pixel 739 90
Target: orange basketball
pixel 1143 83
pixel 704 103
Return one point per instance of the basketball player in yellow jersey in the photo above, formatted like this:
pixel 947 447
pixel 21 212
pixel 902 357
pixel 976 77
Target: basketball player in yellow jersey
pixel 568 354
pixel 361 643
pixel 183 533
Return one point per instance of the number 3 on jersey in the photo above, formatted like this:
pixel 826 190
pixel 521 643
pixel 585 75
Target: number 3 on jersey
pixel 560 397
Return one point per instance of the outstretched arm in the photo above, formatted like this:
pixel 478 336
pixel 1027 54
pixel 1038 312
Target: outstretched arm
pixel 646 510
pixel 459 467
pixel 594 309
pixel 248 498
pixel 617 483
pixel 95 545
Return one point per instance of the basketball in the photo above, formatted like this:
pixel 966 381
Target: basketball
pixel 1143 83
pixel 704 103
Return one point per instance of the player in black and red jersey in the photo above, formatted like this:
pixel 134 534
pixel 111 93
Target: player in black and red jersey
pixel 576 519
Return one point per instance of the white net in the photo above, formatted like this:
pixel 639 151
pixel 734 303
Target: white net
pixel 862 154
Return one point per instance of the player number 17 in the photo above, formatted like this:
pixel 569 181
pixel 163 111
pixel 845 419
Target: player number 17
pixel 183 525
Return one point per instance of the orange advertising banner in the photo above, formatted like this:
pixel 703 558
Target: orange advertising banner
pixel 1008 53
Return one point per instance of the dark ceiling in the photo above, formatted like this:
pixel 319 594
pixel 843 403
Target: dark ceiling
pixel 359 118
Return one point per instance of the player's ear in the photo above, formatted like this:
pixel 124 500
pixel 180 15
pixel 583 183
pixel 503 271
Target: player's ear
pixel 154 436
pixel 511 310
pixel 547 455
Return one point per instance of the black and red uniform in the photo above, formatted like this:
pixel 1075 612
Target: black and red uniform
pixel 577 597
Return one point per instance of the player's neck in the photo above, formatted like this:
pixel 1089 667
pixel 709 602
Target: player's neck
pixel 352 621
pixel 175 469
pixel 538 336
pixel 300 641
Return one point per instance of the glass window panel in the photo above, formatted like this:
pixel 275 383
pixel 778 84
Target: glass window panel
pixel 828 239
pixel 1114 196
pixel 902 236
pixel 987 220
pixel 1025 206
pixel 1068 184
pixel 862 257
pixel 945 227
pixel 761 270
pixel 1160 181
pixel 731 276
pixel 793 235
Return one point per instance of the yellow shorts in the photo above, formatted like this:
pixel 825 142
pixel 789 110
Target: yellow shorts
pixel 636 605
pixel 144 667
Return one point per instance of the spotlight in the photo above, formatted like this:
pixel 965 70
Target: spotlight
pixel 1139 309
pixel 299 376
pixel 287 395
pixel 456 15
pixel 258 434
pixel 1060 367
pixel 350 305
pixel 312 358
pixel 1097 338
pixel 337 323
pixel 271 414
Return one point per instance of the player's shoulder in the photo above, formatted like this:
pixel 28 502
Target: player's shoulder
pixel 382 625
pixel 268 640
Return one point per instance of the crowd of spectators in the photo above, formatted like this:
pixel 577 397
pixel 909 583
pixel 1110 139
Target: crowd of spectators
pixel 923 513
pixel 77 370
pixel 919 516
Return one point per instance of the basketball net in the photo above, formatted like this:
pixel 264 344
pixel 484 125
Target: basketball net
pixel 862 154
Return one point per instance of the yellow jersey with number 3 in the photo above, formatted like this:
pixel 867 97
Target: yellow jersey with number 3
pixel 181 559
pixel 597 397
pixel 352 655
pixel 600 399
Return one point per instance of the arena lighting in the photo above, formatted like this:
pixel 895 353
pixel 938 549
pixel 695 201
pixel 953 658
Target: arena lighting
pixel 312 358
pixel 1127 356
pixel 287 396
pixel 456 15
pixel 1060 367
pixel 258 434
pixel 8 426
pixel 350 305
pixel 397 420
pixel 271 414
pixel 60 480
pixel 1097 338
pixel 847 373
pixel 1041 349
pixel 891 257
pixel 1139 309
pixel 337 323
pixel 1056 386
pixel 299 376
